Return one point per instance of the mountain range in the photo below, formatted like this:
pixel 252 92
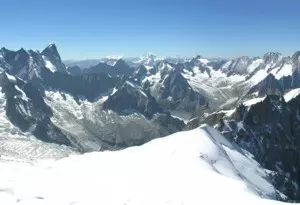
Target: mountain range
pixel 50 109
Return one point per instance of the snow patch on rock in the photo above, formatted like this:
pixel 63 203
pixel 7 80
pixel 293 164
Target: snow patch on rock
pixel 253 101
pixel 49 65
pixel 291 94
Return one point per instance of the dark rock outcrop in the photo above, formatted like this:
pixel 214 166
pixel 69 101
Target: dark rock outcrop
pixel 140 73
pixel 170 123
pixel 130 98
pixel 89 86
pixel 74 70
pixel 26 109
pixel 176 93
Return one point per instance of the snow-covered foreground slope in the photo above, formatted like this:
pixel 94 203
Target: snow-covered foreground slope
pixel 192 167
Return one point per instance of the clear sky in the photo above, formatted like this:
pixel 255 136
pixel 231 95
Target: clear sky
pixel 95 28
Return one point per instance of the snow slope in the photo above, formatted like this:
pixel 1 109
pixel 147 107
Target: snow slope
pixel 291 94
pixel 253 101
pixel 192 167
pixel 49 65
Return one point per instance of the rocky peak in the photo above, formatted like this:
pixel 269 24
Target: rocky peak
pixel 176 88
pixel 198 57
pixel 22 51
pixel 151 55
pixel 8 55
pixel 122 68
pixel 140 72
pixel 163 67
pixel 150 58
pixel 243 60
pixel 130 98
pixel 50 50
pixel 196 61
pixel 15 62
pixel 21 56
pixel 51 54
pixel 121 63
pixel 238 66
pixel 272 57
pixel 296 59
pixel 175 79
pixel 4 50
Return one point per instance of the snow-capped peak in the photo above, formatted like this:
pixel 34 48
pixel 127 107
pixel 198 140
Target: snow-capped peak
pixel 204 61
pixel 51 44
pixel 163 66
pixel 272 57
pixel 148 60
pixel 199 59
pixel 113 57
pixel 150 55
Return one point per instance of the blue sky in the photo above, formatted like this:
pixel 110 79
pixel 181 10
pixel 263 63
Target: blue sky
pixel 92 29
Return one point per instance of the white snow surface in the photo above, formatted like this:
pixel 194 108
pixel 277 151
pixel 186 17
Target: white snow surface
pixel 11 78
pixel 291 94
pixel 204 61
pixel 228 113
pixel 286 70
pixel 115 57
pixel 192 167
pixel 23 95
pixel 258 77
pixel 254 65
pixel 148 67
pixel 253 101
pixel 114 90
pixel 49 65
